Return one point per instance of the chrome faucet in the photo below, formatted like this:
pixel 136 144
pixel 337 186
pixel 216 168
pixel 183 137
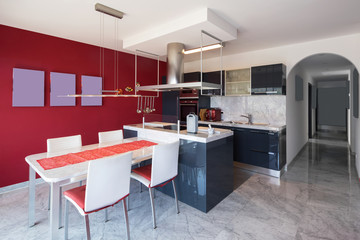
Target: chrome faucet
pixel 249 117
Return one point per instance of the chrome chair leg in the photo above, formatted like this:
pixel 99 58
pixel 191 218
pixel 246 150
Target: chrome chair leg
pixel 60 208
pixel 152 207
pixel 128 202
pixel 106 215
pixel 176 198
pixel 66 219
pixel 126 220
pixel 139 165
pixel 49 197
pixel 88 237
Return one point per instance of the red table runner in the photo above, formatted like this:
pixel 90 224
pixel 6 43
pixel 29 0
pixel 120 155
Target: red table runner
pixel 73 158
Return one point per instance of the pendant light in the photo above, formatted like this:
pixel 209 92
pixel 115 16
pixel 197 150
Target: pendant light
pixel 116 92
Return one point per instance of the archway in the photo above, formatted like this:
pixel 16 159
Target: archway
pixel 330 72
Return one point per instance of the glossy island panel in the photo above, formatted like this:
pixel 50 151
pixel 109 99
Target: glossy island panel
pixel 205 173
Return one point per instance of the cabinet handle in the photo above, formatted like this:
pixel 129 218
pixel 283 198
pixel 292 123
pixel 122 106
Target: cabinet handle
pixel 253 131
pixel 260 92
pixel 259 151
pixel 239 130
pixel 254 150
pixel 187 104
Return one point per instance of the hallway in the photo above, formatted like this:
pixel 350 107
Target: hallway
pixel 318 198
pixel 332 208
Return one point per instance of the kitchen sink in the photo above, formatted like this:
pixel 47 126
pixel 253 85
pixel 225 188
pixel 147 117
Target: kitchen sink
pixel 246 123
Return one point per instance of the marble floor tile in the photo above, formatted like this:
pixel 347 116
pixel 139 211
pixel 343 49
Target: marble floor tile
pixel 324 223
pixel 317 198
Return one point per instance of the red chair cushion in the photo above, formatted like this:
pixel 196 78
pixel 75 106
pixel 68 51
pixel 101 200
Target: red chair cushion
pixel 144 171
pixel 77 195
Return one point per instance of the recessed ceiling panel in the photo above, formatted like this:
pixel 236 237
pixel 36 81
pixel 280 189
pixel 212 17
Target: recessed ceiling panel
pixel 186 30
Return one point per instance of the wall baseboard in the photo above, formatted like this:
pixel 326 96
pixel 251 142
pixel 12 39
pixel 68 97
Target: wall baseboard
pixel 288 165
pixel 331 128
pixel 19 186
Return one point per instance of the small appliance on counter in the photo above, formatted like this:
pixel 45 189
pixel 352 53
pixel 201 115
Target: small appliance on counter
pixel 192 123
pixel 213 114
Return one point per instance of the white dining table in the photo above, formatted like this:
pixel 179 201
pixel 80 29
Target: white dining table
pixel 61 176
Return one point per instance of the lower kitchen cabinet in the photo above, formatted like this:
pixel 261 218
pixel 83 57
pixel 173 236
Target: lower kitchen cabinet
pixel 240 144
pixel 261 148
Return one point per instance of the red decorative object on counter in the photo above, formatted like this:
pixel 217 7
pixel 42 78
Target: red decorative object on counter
pixel 213 114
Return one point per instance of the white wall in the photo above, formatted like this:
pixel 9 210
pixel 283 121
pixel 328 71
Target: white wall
pixel 355 128
pixel 296 115
pixel 346 46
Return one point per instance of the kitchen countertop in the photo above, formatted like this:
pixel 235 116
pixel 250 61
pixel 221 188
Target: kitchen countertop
pixel 259 126
pixel 154 130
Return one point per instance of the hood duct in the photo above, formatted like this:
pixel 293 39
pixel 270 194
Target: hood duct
pixel 175 74
pixel 175 63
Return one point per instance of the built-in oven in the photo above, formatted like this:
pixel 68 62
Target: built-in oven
pixel 189 94
pixel 187 106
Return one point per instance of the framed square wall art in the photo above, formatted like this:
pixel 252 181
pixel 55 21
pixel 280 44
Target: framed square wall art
pixel 62 84
pixel 28 88
pixel 92 86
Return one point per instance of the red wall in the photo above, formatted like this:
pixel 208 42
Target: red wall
pixel 24 130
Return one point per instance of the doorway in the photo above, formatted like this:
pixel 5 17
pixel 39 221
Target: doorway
pixel 323 71
pixel 310 110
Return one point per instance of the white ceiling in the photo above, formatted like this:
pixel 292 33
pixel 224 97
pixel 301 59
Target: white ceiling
pixel 260 23
pixel 326 67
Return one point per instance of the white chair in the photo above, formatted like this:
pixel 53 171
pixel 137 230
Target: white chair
pixel 108 182
pixel 60 144
pixel 109 136
pixel 63 143
pixel 164 168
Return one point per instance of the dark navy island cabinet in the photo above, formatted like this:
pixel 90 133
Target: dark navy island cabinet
pixel 205 173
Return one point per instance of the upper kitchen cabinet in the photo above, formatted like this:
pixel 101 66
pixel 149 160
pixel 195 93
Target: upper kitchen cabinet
pixel 269 79
pixel 210 77
pixel 192 77
pixel 216 77
pixel 237 82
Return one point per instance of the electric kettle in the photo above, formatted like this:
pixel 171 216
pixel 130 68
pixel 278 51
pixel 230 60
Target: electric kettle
pixel 192 123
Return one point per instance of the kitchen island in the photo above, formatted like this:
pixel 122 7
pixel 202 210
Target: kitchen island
pixel 205 173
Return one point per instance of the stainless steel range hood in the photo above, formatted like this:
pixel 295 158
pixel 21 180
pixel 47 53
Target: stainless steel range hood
pixel 175 73
pixel 179 86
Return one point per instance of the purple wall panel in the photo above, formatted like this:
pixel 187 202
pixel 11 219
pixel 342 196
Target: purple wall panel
pixel 91 85
pixel 28 88
pixel 62 84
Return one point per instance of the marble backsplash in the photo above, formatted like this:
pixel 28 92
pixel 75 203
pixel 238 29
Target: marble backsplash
pixel 264 108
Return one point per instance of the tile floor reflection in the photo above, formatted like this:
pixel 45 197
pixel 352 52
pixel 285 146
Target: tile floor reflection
pixel 317 198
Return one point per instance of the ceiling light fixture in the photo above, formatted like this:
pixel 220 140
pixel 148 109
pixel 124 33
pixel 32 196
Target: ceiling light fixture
pixel 205 48
pixel 117 92
pixel 108 10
